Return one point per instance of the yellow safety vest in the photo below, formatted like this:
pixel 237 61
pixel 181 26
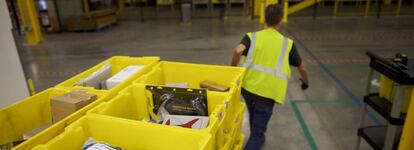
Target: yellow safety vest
pixel 267 64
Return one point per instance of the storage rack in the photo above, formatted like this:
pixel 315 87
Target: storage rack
pixel 385 137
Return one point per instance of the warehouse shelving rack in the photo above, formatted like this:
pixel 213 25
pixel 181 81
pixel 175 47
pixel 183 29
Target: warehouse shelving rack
pixel 385 137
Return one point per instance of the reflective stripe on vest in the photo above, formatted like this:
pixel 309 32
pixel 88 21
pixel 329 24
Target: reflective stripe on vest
pixel 277 71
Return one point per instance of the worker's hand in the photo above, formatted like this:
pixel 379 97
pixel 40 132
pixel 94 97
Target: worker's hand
pixel 304 85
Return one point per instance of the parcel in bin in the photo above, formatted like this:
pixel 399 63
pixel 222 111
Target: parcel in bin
pixel 213 86
pixel 66 104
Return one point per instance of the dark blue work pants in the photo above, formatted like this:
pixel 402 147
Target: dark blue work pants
pixel 260 112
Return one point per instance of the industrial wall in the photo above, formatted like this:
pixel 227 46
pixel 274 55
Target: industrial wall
pixel 13 85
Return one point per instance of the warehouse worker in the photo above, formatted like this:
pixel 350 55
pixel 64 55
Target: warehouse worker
pixel 269 55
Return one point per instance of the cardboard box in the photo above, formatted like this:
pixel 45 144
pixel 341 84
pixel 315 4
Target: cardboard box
pixel 66 104
pixel 99 13
pixel 213 86
pixel 122 75
pixel 194 122
pixel 92 21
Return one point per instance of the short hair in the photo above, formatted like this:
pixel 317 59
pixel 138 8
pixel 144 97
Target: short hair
pixel 273 14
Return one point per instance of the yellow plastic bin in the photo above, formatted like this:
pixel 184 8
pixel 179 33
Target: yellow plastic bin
pixel 117 64
pixel 165 72
pixel 126 134
pixel 239 143
pixel 233 130
pixel 237 121
pixel 237 109
pixel 134 103
pixel 193 74
pixel 34 113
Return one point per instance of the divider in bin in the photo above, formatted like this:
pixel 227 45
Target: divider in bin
pixel 117 63
pixel 133 103
pixel 33 117
pixel 126 134
pixel 235 119
pixel 193 74
pixel 234 104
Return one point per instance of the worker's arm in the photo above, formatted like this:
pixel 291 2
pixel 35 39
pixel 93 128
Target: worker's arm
pixel 296 60
pixel 238 51
pixel 303 73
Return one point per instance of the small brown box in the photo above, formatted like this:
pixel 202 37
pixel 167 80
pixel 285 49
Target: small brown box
pixel 214 86
pixel 66 104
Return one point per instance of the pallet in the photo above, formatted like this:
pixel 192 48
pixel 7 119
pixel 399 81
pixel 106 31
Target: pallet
pixel 104 28
pixel 95 23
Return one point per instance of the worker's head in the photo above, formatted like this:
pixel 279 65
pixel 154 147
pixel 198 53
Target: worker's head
pixel 273 15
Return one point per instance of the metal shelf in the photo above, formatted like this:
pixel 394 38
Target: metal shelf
pixel 401 70
pixel 402 74
pixel 383 107
pixel 375 136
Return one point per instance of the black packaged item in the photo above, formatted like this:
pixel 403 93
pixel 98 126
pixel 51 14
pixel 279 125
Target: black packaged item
pixel 179 101
pixel 92 144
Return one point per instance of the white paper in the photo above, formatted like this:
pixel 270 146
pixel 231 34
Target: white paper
pixel 194 122
pixel 122 75
pixel 100 146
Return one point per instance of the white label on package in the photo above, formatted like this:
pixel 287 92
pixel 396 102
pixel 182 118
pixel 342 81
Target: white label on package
pixel 177 84
pixel 122 75
pixel 194 122
pixel 100 146
pixel 101 70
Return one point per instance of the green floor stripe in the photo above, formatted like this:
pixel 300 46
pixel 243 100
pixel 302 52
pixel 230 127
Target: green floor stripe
pixel 343 101
pixel 305 129
pixel 339 65
pixel 307 133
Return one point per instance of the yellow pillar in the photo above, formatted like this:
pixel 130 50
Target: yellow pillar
pixel 302 5
pixel 336 6
pixel 262 10
pixel 367 8
pixel 397 13
pixel 263 5
pixel 31 86
pixel 407 137
pixel 85 6
pixel 257 7
pixel 121 5
pixel 285 11
pixel 30 21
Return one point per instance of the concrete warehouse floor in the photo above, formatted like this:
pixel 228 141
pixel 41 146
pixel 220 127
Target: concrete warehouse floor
pixel 324 117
